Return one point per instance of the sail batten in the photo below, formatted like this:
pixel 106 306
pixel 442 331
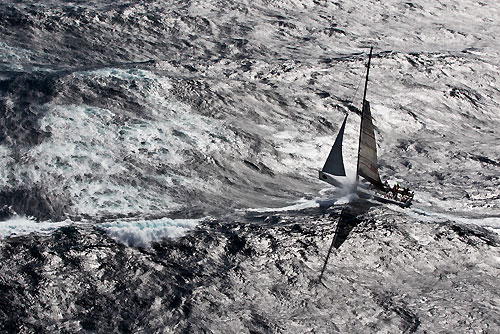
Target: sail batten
pixel 334 165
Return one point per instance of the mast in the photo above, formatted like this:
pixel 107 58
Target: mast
pixel 367 73
pixel 362 108
pixel 367 150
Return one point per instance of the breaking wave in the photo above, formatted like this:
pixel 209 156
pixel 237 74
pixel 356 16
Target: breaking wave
pixel 19 225
pixel 142 233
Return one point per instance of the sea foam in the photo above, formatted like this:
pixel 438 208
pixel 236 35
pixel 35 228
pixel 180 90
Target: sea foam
pixel 19 225
pixel 141 233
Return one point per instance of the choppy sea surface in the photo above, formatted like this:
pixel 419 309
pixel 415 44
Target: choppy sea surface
pixel 158 166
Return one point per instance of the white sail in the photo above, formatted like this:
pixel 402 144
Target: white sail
pixel 334 165
pixel 367 156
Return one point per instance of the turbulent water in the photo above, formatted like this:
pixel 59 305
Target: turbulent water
pixel 158 166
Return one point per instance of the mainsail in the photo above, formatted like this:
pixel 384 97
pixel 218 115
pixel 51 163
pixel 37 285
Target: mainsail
pixel 367 154
pixel 334 165
pixel 367 151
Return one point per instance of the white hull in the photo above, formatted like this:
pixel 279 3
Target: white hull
pixel 381 197
pixel 362 191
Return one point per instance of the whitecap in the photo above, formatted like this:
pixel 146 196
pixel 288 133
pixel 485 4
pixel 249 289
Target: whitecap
pixel 141 233
pixel 19 225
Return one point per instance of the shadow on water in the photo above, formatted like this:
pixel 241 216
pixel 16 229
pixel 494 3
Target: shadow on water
pixel 346 222
pixel 348 218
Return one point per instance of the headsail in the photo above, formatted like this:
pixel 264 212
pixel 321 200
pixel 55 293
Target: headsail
pixel 367 156
pixel 334 165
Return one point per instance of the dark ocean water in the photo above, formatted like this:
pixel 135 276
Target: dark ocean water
pixel 158 166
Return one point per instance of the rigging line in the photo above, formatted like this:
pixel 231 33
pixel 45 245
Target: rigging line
pixel 356 91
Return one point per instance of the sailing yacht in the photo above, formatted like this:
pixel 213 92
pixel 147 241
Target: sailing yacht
pixel 333 171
